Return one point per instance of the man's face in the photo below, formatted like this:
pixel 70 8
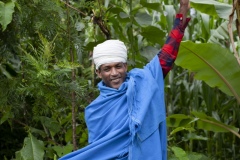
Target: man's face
pixel 112 74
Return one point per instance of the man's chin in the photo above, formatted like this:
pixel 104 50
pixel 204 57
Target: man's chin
pixel 116 85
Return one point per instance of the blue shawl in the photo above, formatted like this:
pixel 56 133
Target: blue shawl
pixel 129 122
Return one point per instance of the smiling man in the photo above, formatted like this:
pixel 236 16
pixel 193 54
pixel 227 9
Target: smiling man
pixel 127 121
pixel 110 58
pixel 113 74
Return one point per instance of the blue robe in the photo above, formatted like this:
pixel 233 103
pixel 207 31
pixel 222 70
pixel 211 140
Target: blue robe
pixel 127 123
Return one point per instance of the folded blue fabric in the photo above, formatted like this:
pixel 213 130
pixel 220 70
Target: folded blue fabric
pixel 129 122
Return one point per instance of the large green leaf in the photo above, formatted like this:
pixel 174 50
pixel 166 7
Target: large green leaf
pixel 179 153
pixel 220 34
pixel 182 122
pixel 150 33
pixel 154 6
pixel 143 19
pixel 209 123
pixel 32 149
pixel 178 120
pixel 212 7
pixel 62 150
pixel 213 64
pixel 50 124
pixel 6 11
pixel 149 52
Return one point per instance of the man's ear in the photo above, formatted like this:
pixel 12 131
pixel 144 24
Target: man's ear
pixel 126 66
pixel 97 71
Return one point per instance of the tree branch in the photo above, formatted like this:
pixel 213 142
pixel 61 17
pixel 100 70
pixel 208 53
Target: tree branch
pixel 236 6
pixel 74 8
pixel 102 26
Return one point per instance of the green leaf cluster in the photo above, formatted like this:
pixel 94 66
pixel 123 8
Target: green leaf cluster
pixel 47 77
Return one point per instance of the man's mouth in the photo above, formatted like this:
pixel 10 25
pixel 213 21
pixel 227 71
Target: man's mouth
pixel 115 79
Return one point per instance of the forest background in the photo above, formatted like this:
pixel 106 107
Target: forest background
pixel 47 77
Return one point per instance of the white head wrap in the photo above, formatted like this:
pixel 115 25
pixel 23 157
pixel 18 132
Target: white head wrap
pixel 108 52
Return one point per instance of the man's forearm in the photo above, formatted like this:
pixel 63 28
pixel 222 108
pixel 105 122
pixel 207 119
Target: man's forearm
pixel 169 51
pixel 184 8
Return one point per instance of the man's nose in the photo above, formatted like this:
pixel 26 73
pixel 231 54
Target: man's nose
pixel 113 71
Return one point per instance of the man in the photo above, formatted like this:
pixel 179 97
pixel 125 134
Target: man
pixel 127 120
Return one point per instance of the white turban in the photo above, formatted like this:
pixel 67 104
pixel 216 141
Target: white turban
pixel 108 52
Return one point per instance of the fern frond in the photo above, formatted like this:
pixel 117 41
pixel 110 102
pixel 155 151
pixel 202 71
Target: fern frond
pixel 40 58
pixel 68 65
pixel 44 73
pixel 32 61
pixel 46 48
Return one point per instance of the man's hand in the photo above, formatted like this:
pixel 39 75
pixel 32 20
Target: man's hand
pixel 184 8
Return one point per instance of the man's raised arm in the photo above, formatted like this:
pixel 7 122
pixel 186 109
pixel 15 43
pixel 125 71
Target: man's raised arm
pixel 169 51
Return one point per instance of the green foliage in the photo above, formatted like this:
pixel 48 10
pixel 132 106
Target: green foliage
pixel 200 121
pixel 63 150
pixel 32 149
pixel 47 77
pixel 188 96
pixel 220 35
pixel 224 74
pixel 6 11
pixel 213 8
pixel 180 154
pixel 38 95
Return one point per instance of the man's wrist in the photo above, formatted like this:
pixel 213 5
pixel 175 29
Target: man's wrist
pixel 184 9
pixel 183 21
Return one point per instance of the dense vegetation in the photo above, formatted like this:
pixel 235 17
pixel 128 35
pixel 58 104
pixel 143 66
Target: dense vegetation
pixel 47 76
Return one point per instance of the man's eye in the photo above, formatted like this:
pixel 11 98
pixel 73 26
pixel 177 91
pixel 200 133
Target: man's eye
pixel 119 66
pixel 106 69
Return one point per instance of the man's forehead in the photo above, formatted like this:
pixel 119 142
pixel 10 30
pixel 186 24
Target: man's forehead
pixel 111 64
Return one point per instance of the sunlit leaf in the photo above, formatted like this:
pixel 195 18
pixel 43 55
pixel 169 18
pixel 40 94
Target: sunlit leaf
pixel 62 150
pixel 154 6
pixel 213 8
pixel 32 149
pixel 149 52
pixel 213 64
pixel 178 120
pixel 181 129
pixel 143 19
pixel 150 33
pixel 6 11
pixel 209 123
pixel 179 153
